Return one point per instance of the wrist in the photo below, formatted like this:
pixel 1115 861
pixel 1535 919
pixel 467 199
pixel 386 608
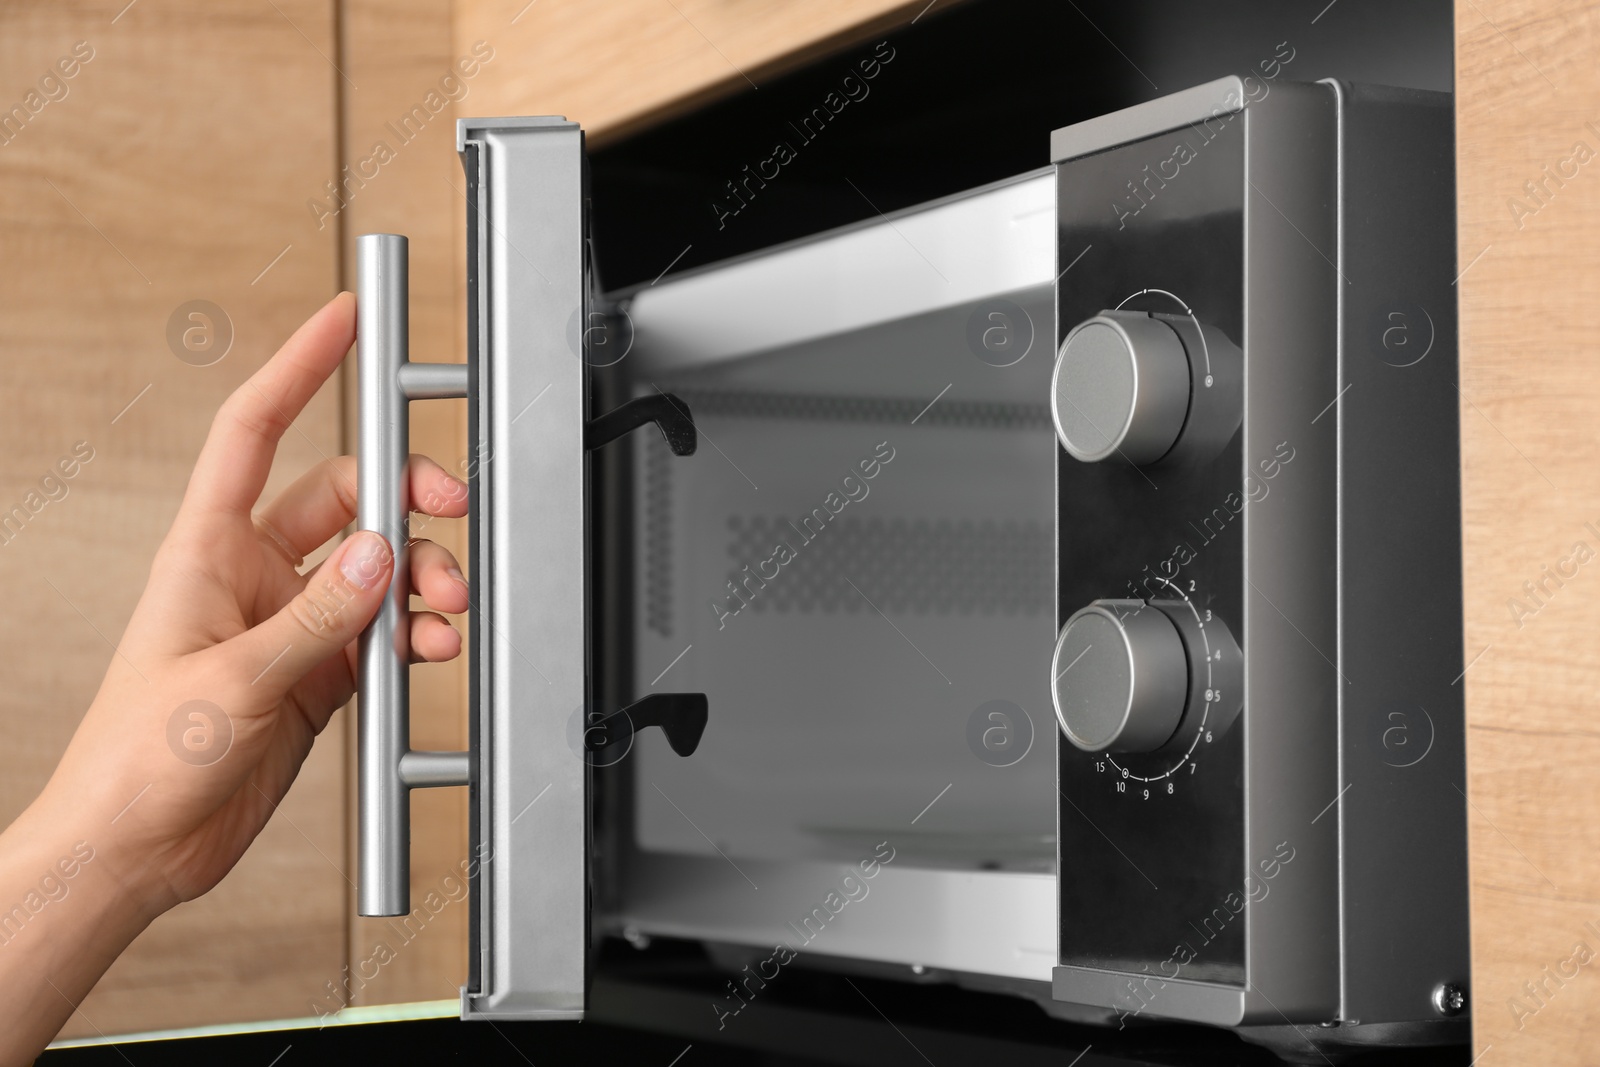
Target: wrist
pixel 64 918
pixel 78 847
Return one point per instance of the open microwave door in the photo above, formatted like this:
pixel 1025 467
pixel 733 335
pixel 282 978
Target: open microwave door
pixel 527 286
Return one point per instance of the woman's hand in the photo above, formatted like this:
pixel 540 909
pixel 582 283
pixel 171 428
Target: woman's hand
pixel 231 665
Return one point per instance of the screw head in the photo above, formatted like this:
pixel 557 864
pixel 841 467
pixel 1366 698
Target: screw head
pixel 1449 999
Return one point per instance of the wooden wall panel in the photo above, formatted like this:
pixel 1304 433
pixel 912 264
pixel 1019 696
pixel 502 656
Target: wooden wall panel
pixel 1528 111
pixel 174 168
pixel 401 57
pixel 626 63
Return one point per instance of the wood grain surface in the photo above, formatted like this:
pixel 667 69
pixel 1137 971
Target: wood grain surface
pixel 617 66
pixel 172 166
pixel 411 92
pixel 1528 111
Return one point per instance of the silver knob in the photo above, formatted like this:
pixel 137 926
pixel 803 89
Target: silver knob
pixel 1121 388
pixel 1120 677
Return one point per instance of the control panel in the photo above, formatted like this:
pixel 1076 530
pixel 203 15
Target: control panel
pixel 1232 526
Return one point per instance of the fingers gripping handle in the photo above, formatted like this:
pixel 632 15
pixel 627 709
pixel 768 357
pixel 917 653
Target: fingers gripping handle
pixel 387 383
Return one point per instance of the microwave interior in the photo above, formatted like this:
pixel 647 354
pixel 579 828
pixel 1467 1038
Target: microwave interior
pixel 857 569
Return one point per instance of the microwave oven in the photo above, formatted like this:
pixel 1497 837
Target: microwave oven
pixel 1053 588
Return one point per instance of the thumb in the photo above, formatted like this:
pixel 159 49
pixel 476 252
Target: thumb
pixel 337 603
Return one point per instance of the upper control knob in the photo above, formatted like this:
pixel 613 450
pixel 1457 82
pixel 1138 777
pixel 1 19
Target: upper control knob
pixel 1121 387
pixel 1121 677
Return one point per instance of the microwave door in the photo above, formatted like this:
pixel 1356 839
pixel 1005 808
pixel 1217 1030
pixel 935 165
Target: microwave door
pixel 526 295
pixel 535 728
pixel 533 340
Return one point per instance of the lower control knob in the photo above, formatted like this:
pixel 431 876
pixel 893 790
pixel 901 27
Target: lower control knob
pixel 1120 677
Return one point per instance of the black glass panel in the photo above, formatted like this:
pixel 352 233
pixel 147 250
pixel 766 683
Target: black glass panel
pixel 1152 844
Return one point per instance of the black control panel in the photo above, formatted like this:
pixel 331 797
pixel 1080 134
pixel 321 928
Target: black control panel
pixel 1152 841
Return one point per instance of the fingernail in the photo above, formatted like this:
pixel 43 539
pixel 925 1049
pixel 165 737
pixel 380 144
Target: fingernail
pixel 455 575
pixel 364 559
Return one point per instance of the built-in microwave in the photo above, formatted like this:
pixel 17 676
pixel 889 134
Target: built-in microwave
pixel 1053 588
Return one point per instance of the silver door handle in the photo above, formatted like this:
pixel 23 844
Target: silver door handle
pixel 386 767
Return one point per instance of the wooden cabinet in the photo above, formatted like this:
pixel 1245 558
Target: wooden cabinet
pixel 1528 132
pixel 171 166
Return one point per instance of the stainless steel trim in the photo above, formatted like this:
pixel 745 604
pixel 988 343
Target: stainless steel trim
pixel 1401 718
pixel 1211 100
pixel 987 243
pixel 1056 914
pixel 976 922
pixel 1150 995
pixel 530 629
pixel 383 733
pixel 1291 608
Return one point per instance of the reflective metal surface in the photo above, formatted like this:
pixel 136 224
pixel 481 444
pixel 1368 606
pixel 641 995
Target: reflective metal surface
pixel 982 244
pixel 1121 388
pixel 383 732
pixel 386 768
pixel 1120 677
pixel 527 293
pixel 1402 728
